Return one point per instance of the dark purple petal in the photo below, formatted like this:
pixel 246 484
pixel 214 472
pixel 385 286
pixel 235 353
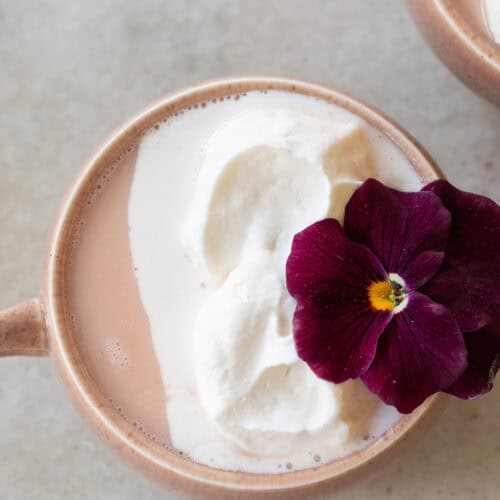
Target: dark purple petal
pixel 483 362
pixel 470 291
pixel 325 265
pixel 338 340
pixel 422 351
pixel 469 282
pixel 406 231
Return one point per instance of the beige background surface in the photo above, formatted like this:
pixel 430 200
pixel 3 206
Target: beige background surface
pixel 72 70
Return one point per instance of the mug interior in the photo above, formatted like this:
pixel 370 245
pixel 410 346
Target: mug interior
pixel 132 444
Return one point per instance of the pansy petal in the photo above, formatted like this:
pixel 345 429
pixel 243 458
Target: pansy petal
pixel 422 351
pixel 406 231
pixel 469 282
pixel 470 290
pixel 324 264
pixel 338 340
pixel 483 363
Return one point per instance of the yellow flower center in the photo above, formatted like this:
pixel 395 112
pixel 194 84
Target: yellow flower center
pixel 385 295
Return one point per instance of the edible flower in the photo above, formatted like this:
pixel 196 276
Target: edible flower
pixel 405 296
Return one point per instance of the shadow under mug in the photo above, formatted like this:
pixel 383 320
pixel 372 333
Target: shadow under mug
pixel 41 327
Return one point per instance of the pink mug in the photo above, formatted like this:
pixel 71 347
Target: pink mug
pixel 456 31
pixel 40 327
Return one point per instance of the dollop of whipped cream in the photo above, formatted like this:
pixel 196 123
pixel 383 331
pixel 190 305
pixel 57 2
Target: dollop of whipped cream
pixel 266 175
pixel 491 10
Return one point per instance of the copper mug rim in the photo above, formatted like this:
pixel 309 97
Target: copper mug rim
pixel 41 326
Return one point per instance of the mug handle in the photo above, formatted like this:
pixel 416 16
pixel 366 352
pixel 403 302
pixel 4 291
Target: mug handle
pixel 23 331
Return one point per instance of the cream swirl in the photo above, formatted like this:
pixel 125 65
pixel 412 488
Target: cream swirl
pixel 266 175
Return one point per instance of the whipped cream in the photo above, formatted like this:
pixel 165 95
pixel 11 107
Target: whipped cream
pixel 491 10
pixel 266 175
pixel 218 193
pixel 249 377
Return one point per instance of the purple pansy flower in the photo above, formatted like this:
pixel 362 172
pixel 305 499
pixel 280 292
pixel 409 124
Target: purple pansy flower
pixel 373 300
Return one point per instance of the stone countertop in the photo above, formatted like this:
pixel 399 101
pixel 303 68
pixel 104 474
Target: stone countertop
pixel 70 71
